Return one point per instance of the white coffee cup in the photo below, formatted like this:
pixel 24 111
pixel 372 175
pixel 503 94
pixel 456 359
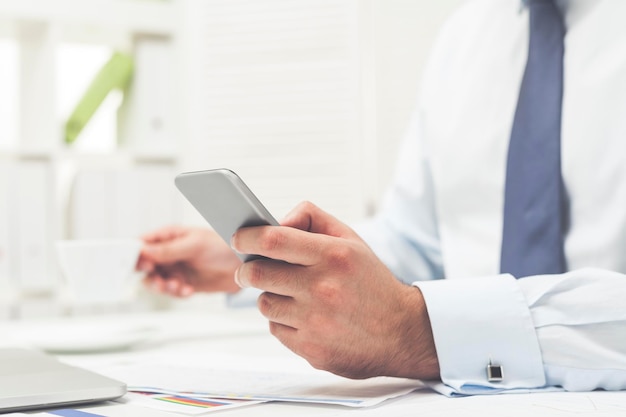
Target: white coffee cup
pixel 98 271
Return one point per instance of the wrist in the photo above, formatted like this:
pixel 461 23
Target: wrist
pixel 417 356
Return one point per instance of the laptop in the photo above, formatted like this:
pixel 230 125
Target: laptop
pixel 30 380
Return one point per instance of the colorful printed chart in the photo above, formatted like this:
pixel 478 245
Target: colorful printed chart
pixel 182 403
pixel 193 402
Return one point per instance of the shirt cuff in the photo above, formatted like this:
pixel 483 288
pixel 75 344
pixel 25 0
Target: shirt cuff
pixel 478 321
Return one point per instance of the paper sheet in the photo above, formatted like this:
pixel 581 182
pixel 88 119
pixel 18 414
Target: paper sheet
pixel 213 382
pixel 552 404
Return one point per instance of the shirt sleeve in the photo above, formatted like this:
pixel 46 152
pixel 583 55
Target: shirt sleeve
pixel 404 233
pixel 580 320
pixel 552 331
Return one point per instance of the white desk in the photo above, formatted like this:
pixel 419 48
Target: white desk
pixel 243 332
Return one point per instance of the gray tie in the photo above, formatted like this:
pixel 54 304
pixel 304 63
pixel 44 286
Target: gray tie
pixel 532 239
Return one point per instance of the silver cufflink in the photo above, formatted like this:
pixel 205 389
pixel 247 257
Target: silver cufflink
pixel 495 372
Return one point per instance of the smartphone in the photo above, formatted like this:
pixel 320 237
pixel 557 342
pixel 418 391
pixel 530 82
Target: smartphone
pixel 224 200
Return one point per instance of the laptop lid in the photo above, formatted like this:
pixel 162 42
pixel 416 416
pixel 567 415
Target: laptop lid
pixel 31 379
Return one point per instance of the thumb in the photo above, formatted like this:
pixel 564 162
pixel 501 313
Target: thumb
pixel 168 252
pixel 307 216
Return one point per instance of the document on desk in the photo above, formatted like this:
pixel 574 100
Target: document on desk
pixel 544 404
pixel 237 383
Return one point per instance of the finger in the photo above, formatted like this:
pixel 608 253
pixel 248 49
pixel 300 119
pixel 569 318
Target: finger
pixel 186 290
pixel 282 243
pixel 278 309
pixel 287 335
pixel 144 264
pixel 148 281
pixel 168 252
pixel 163 234
pixel 276 277
pixel 174 286
pixel 307 216
pixel 157 273
pixel 155 282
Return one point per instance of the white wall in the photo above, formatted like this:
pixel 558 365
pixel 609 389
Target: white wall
pixel 273 93
pixel 403 33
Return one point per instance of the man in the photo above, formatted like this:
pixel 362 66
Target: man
pixel 514 167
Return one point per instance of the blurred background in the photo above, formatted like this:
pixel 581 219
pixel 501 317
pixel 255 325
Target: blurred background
pixel 103 102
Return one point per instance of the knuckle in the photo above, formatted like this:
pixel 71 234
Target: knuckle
pixel 327 291
pixel 307 206
pixel 342 258
pixel 254 273
pixel 271 239
pixel 265 305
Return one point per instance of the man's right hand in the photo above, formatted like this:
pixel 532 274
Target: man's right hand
pixel 182 260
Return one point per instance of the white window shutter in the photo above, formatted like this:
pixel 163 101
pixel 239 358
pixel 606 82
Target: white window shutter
pixel 274 94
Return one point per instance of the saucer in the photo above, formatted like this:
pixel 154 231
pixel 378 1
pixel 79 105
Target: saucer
pixel 87 337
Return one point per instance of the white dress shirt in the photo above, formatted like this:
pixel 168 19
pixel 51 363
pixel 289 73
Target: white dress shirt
pixel 442 218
